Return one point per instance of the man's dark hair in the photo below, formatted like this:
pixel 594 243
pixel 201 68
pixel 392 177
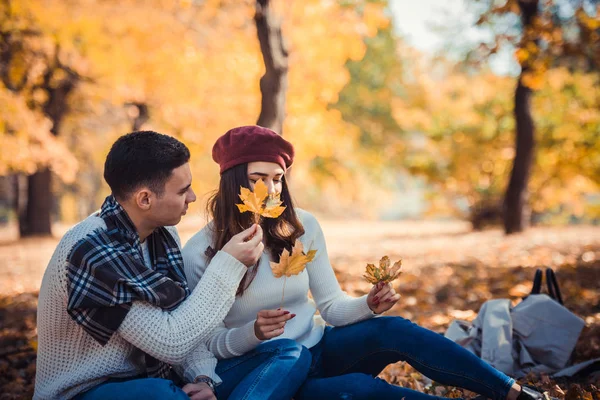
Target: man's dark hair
pixel 143 158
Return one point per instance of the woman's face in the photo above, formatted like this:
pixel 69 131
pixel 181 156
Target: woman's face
pixel 270 173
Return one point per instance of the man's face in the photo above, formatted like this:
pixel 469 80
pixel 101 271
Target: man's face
pixel 168 209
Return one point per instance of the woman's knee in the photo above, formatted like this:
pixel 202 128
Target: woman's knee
pixel 290 350
pixel 288 346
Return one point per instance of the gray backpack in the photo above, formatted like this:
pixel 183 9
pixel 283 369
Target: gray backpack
pixel 537 335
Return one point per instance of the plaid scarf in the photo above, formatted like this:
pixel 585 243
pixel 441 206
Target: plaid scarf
pixel 106 273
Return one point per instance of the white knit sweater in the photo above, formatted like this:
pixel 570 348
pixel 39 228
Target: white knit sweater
pixel 70 361
pixel 235 336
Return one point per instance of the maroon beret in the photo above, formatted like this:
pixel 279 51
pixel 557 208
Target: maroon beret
pixel 246 144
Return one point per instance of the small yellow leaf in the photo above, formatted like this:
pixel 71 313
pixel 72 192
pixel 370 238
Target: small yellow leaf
pixel 294 263
pixel 273 208
pixel 383 273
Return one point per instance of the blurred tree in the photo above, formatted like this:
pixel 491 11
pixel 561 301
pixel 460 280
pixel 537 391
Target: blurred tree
pixel 546 34
pixel 33 68
pixel 375 80
pixel 460 128
pixel 273 84
pixel 191 69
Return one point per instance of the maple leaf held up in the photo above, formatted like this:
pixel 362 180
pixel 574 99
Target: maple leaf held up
pixel 292 263
pixel 383 273
pixel 259 203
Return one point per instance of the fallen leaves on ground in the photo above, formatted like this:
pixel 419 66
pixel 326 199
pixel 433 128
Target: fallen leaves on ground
pixel 440 282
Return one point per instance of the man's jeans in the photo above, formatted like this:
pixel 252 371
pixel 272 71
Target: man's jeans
pixel 347 360
pixel 134 389
pixel 274 370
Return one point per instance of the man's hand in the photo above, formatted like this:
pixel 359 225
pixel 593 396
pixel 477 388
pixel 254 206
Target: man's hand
pixel 246 246
pixel 382 297
pixel 199 391
pixel 271 323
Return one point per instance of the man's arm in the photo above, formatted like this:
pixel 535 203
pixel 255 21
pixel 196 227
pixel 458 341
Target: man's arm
pixel 169 336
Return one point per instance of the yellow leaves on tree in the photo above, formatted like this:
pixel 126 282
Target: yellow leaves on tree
pixel 27 143
pixel 383 273
pixel 259 203
pixel 292 263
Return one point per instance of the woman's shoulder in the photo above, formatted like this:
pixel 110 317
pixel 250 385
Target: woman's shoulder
pixel 201 238
pixel 308 220
pixel 304 215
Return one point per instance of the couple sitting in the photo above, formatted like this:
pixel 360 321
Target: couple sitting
pixel 125 313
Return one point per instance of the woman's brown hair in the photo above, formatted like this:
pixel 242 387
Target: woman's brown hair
pixel 280 233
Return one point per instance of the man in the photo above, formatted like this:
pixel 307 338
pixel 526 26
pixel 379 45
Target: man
pixel 114 306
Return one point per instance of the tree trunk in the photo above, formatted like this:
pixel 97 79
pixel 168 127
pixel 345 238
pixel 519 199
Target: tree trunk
pixel 37 218
pixel 516 206
pixel 273 84
pixel 36 221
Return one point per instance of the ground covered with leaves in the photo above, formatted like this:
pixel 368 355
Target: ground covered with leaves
pixel 448 272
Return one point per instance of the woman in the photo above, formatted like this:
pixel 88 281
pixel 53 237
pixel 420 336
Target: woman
pixel 348 354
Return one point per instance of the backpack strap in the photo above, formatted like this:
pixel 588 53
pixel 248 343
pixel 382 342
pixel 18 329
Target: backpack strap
pixel 537 282
pixel 552 283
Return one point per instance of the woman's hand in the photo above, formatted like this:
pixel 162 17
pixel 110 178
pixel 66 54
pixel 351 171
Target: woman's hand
pixel 382 297
pixel 271 323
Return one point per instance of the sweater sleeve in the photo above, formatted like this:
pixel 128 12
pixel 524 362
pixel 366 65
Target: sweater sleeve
pixel 336 306
pixel 170 336
pixel 199 361
pixel 223 342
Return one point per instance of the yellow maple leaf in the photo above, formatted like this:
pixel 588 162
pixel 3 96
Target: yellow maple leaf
pixel 383 273
pixel 291 263
pixel 259 202
pixel 294 263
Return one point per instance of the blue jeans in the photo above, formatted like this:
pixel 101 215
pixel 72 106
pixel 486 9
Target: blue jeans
pixel 273 370
pixel 134 389
pixel 347 360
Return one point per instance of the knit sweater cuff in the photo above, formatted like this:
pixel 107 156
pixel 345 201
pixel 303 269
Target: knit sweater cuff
pixel 362 309
pixel 243 339
pixel 206 367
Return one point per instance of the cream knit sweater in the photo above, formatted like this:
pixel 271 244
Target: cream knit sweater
pixel 235 336
pixel 70 361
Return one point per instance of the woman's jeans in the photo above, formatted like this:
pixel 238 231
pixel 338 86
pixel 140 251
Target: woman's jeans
pixel 347 360
pixel 274 370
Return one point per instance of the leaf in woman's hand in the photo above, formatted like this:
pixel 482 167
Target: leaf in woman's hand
pixel 383 273
pixel 294 263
